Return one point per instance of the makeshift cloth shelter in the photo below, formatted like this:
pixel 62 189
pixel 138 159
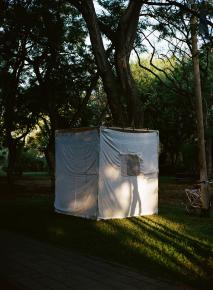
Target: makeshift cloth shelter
pixel 104 173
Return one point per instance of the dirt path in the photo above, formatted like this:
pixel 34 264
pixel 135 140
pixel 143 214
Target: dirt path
pixel 33 265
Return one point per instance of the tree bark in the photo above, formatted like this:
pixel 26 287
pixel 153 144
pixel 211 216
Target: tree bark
pixel 12 154
pixel 85 101
pixel 50 157
pixel 199 113
pixel 109 81
pixel 209 155
pixel 10 96
pixel 123 42
pixel 118 82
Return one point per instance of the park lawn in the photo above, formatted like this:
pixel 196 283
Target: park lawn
pixel 171 245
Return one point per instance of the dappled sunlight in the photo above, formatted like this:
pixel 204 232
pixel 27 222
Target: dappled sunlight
pixel 188 253
pixel 173 228
pixel 83 203
pixel 112 172
pixel 149 194
pixel 118 205
pixel 164 244
pixel 160 222
pixel 122 194
pixel 128 196
pixel 106 228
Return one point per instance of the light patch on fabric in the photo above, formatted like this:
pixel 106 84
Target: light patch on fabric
pixel 130 164
pixel 111 172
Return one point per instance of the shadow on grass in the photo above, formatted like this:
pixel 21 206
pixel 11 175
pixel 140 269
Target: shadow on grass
pixel 168 245
pixel 187 255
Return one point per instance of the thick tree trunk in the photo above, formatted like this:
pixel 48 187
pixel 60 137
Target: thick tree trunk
pixel 124 41
pixel 50 157
pixel 118 82
pixel 12 154
pixel 129 91
pixel 8 119
pixel 209 155
pixel 49 151
pixel 85 101
pixel 199 113
pixel 51 144
pixel 109 81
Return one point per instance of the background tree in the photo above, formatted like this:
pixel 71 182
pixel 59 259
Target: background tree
pixel 16 118
pixel 119 24
pixel 63 75
pixel 182 20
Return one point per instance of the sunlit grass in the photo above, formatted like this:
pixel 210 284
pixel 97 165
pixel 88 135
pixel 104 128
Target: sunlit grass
pixel 171 245
pixel 35 173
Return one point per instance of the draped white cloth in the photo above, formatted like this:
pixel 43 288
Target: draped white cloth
pixel 76 187
pixel 106 173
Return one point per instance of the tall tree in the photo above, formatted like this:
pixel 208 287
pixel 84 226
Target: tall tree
pixel 182 19
pixel 199 113
pixel 17 120
pixel 62 74
pixel 119 85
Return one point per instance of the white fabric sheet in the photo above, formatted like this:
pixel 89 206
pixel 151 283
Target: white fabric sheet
pixel 92 178
pixel 77 157
pixel 122 196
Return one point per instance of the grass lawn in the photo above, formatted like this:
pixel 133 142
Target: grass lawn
pixel 171 245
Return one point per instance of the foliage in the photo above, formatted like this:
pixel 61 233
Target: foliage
pixel 49 70
pixel 45 70
pixel 32 162
pixel 168 110
pixel 3 158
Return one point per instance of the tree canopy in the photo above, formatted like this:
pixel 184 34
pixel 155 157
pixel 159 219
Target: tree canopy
pixel 122 63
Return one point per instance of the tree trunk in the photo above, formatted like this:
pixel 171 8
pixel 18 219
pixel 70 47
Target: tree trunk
pixel 8 120
pixel 199 113
pixel 118 83
pixel 51 144
pixel 123 41
pixel 129 91
pixel 109 81
pixel 12 153
pixel 85 101
pixel 209 155
pixel 50 157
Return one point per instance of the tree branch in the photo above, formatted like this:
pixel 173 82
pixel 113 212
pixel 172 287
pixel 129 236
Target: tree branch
pixel 183 7
pixel 127 26
pixel 110 34
pixel 148 69
pixel 86 8
pixel 85 100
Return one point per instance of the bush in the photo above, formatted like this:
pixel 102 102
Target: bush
pixel 30 160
